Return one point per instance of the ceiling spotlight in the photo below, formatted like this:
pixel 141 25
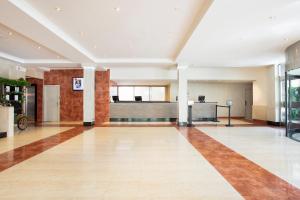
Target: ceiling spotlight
pixel 10 33
pixel 272 17
pixel 39 47
pixel 117 9
pixel 58 9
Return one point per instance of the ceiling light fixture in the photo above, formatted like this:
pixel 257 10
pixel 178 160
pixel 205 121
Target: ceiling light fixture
pixel 95 47
pixel 39 47
pixel 117 9
pixel 81 33
pixel 10 33
pixel 272 17
pixel 286 39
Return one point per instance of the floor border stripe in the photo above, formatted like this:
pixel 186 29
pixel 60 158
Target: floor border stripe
pixel 248 178
pixel 20 154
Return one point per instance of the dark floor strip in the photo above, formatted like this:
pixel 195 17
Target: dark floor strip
pixel 248 178
pixel 13 157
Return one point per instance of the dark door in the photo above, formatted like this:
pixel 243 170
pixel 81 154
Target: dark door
pixel 31 103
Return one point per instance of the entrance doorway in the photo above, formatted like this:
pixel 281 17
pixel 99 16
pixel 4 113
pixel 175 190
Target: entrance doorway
pixel 248 102
pixel 31 103
pixel 51 103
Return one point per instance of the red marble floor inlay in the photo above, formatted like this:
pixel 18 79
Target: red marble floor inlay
pixel 248 178
pixel 13 157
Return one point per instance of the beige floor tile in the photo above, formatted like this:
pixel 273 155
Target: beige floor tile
pixel 118 163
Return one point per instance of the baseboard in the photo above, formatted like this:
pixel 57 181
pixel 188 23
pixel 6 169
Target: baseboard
pixel 275 123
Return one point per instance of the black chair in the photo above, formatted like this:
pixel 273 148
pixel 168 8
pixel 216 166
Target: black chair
pixel 201 99
pixel 115 99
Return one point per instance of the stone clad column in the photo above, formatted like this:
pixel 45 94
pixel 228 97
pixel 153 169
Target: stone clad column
pixel 182 94
pixel 89 95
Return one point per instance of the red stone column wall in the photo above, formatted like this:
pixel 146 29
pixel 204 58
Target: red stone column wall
pixel 71 102
pixel 102 97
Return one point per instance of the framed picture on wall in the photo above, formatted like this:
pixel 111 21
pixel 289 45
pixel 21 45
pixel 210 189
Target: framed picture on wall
pixel 78 84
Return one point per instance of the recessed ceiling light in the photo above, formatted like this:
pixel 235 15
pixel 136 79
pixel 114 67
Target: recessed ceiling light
pixel 58 9
pixel 272 17
pixel 117 9
pixel 95 47
pixel 10 33
pixel 39 47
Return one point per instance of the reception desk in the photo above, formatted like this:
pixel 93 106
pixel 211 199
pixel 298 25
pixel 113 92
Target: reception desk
pixel 138 110
pixel 204 111
pixel 159 110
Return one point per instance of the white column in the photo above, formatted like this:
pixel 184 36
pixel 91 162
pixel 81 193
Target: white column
pixel 182 95
pixel 7 120
pixel 89 95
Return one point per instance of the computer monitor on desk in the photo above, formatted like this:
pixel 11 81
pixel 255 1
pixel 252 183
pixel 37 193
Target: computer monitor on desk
pixel 138 98
pixel 201 99
pixel 115 99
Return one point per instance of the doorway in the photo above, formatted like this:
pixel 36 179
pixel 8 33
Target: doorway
pixel 51 103
pixel 31 103
pixel 248 102
pixel 293 105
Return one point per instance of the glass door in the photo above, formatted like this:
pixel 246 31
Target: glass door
pixel 293 105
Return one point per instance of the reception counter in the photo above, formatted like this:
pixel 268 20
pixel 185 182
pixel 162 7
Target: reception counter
pixel 138 110
pixel 159 110
pixel 204 111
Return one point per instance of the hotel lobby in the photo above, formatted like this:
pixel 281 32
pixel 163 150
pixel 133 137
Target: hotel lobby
pixel 152 100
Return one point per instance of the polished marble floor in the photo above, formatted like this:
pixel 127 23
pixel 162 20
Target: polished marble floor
pixel 118 163
pixel 31 134
pixel 266 146
pixel 148 162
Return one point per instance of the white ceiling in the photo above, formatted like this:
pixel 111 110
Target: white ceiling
pixel 117 32
pixel 148 33
pixel 243 33
pixel 16 44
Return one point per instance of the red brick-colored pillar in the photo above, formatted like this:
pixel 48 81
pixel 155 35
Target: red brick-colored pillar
pixel 102 97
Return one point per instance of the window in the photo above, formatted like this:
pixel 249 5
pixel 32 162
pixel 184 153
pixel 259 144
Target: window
pixel 126 93
pixel 157 93
pixel 113 92
pixel 142 91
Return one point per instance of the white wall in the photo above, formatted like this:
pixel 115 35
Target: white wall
pixel 35 73
pixel 265 104
pixel 218 92
pixel 10 70
pixel 264 91
pixel 142 73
